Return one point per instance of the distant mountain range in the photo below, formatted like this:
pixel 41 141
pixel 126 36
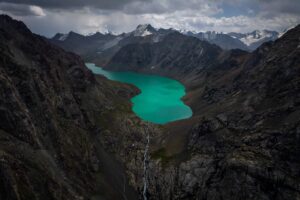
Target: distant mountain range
pixel 98 41
pixel 104 49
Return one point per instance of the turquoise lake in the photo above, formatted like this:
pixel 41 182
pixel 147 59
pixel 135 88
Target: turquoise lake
pixel 160 98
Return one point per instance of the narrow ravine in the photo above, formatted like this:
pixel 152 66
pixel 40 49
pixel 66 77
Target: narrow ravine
pixel 146 162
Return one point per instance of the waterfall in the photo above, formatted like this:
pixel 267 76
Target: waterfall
pixel 146 162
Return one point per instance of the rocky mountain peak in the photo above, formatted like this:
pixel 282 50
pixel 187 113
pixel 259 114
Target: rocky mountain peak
pixel 72 33
pixel 62 37
pixel 144 26
pixel 7 21
pixel 57 36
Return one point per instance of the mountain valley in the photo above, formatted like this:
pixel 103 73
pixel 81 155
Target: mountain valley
pixel 67 133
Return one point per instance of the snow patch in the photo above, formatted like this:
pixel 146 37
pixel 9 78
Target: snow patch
pixel 145 33
pixel 142 30
pixel 63 37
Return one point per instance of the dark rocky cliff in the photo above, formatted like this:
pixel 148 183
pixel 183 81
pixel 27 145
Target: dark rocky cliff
pixel 54 132
pixel 245 140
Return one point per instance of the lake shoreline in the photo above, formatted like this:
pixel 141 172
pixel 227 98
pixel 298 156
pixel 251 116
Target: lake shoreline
pixel 161 99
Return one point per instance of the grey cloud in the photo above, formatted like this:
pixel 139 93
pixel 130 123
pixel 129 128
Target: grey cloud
pixel 21 10
pixel 167 6
pixel 127 6
pixel 71 4
pixel 280 6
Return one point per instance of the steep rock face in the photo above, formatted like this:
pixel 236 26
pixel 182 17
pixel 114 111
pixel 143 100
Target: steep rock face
pixel 245 142
pixel 55 139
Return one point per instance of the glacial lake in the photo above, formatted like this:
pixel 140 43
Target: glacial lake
pixel 160 99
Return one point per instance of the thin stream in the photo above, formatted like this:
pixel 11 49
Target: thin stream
pixel 146 162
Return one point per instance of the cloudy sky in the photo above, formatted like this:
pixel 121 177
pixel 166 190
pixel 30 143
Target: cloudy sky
pixel 48 17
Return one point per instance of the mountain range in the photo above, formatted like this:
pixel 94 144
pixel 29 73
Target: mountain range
pixel 101 48
pixel 244 41
pixel 66 133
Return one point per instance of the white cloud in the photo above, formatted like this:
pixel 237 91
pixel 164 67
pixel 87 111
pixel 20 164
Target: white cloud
pixel 21 9
pixel 36 10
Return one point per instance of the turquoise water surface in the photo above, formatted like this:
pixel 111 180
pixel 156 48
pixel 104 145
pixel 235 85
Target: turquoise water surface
pixel 160 98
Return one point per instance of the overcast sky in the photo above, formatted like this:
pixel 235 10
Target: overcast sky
pixel 47 17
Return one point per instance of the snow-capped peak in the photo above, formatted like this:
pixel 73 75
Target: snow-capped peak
pixel 259 35
pixel 144 30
